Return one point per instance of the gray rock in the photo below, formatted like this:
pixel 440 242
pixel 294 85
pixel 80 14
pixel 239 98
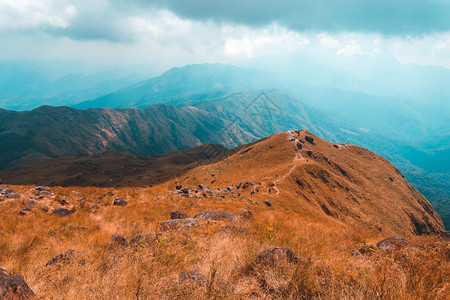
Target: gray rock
pixel 14 287
pixel 144 239
pixel 120 201
pixel 42 188
pixel 61 212
pixel 116 241
pixel 45 208
pixel 276 254
pixel 310 139
pixel 177 214
pixel 64 257
pixel 217 215
pixel 179 223
pixel 393 243
pixel 267 202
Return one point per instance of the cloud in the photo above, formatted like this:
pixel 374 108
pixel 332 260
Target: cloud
pixel 411 17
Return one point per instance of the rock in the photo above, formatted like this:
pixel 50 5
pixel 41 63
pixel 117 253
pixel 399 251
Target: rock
pixel 42 188
pixel 309 152
pixel 192 276
pixel 393 243
pixel 357 253
pixel 276 254
pixel 267 202
pixel 179 223
pixel 217 215
pixel 61 212
pixel 11 195
pixel 250 183
pixel 31 204
pixel 247 214
pixel 64 201
pixel 185 191
pixel 120 201
pixel 64 257
pixel 310 139
pixel 116 241
pixel 14 287
pixel 38 197
pixel 229 188
pixel 144 239
pixel 299 145
pixel 6 191
pixel 178 187
pixel 177 214
pixel 45 208
pixel 46 193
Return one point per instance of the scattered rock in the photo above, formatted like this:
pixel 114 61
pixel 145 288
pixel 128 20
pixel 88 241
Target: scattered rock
pixel 143 239
pixel 63 257
pixel 116 241
pixel 177 214
pixel 120 201
pixel 31 204
pixel 185 192
pixel 276 254
pixel 250 183
pixel 42 188
pixel 179 223
pixel 247 214
pixel 392 243
pixel 310 139
pixel 192 276
pixel 61 212
pixel 14 287
pixel 267 202
pixel 217 215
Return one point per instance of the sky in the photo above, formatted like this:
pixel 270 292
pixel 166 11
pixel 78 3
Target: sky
pixel 177 32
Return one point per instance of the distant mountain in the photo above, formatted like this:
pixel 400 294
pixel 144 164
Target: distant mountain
pixel 48 132
pixel 180 81
pixel 27 86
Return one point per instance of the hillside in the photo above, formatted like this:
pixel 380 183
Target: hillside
pixel 111 169
pixel 48 132
pixel 265 221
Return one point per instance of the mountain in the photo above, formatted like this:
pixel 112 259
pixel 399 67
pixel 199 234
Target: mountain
pixel 111 168
pixel 314 223
pixel 179 81
pixel 62 131
pixel 25 86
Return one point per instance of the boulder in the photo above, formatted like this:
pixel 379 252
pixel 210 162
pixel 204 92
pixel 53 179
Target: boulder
pixel 116 241
pixel 276 254
pixel 63 257
pixel 247 214
pixel 14 287
pixel 393 243
pixel 179 223
pixel 250 183
pixel 177 214
pixel 192 276
pixel 310 139
pixel 143 239
pixel 61 212
pixel 217 216
pixel 42 188
pixel 120 201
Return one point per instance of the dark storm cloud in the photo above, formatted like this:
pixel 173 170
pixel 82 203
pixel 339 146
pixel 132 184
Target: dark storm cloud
pixel 391 17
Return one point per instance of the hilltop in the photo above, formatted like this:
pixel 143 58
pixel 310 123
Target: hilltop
pixel 277 218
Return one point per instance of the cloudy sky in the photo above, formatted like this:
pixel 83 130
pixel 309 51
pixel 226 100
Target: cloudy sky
pixel 177 32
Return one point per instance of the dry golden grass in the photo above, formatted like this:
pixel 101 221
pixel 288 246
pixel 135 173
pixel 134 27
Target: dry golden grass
pixel 326 268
